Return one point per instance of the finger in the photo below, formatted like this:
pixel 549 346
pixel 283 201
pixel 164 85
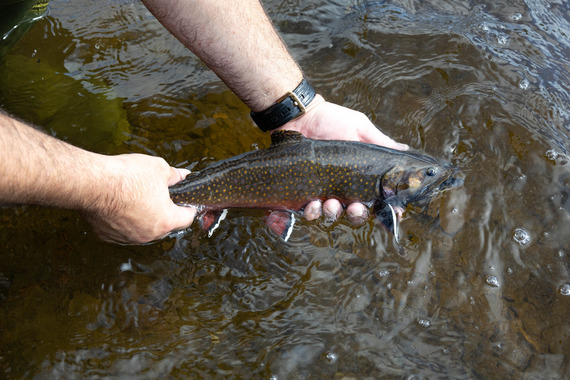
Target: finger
pixel 332 209
pixel 375 136
pixel 313 210
pixel 177 175
pixel 357 213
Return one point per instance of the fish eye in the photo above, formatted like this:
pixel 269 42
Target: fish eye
pixel 430 172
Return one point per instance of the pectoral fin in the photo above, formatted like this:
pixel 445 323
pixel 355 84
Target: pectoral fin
pixel 390 217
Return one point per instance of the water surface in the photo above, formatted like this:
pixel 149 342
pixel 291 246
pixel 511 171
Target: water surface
pixel 480 287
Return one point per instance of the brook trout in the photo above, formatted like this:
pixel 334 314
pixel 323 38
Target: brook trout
pixel 295 170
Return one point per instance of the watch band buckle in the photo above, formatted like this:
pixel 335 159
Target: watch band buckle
pixel 296 101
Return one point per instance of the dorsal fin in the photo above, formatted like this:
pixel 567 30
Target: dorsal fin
pixel 286 137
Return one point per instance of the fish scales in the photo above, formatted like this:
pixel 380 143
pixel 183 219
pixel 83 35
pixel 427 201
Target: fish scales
pixel 295 170
pixel 286 178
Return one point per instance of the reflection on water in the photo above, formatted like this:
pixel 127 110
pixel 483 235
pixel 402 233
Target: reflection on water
pixel 480 286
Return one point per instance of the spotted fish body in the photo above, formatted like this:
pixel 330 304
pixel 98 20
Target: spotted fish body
pixel 295 170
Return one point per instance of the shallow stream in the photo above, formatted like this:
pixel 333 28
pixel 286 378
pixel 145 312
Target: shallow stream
pixel 479 288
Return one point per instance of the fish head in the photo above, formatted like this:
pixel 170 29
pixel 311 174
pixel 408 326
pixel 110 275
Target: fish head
pixel 411 182
pixel 408 182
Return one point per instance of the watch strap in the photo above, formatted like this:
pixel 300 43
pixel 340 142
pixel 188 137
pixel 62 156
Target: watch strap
pixel 290 106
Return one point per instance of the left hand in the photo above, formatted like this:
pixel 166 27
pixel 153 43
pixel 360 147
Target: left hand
pixel 328 121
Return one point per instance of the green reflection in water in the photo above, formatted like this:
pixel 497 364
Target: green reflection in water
pixel 36 86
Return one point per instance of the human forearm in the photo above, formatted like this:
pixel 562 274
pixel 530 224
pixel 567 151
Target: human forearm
pixel 237 41
pixel 39 169
pixel 124 197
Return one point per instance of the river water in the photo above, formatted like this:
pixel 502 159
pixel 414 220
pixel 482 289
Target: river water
pixel 479 286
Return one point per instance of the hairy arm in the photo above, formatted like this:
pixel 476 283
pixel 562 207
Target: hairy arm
pixel 237 41
pixel 124 197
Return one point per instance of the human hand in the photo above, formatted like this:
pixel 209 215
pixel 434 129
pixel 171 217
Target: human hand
pixel 134 206
pixel 328 121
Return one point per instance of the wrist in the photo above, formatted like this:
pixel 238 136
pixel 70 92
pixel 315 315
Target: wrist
pixel 292 105
pixel 99 189
pixel 305 122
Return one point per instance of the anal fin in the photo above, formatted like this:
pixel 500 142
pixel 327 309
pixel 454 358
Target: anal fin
pixel 211 220
pixel 281 223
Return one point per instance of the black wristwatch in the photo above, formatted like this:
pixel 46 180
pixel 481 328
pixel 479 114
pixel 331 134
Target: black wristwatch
pixel 289 107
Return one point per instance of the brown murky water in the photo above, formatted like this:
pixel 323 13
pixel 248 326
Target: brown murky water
pixel 480 289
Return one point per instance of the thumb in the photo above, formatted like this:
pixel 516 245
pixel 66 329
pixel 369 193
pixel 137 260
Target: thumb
pixel 177 175
pixel 181 216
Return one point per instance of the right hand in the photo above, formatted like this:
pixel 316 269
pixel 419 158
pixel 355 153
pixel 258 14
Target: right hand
pixel 137 207
pixel 329 121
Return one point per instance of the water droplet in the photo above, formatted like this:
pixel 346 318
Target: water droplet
pixel 424 322
pixel 510 270
pixel 454 210
pixel 565 290
pixel 516 16
pixel 493 281
pixel 484 27
pixel 521 236
pixel 523 84
pixel 273 377
pixel 502 39
pixel 383 273
pixel 551 154
pixel 331 357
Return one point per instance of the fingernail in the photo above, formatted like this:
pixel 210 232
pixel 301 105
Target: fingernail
pixel 183 172
pixel 359 217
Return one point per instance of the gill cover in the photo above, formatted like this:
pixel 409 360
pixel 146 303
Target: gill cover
pixel 403 185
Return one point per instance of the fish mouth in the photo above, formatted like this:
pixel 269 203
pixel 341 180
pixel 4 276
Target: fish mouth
pixel 455 178
pixel 452 182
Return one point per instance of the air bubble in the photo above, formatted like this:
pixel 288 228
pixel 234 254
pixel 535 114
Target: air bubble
pixel 565 290
pixel 521 236
pixel 383 273
pixel 502 39
pixel 425 323
pixel 516 16
pixel 523 84
pixel 551 154
pixel 492 281
pixel 331 357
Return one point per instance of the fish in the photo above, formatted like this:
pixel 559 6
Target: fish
pixel 296 170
